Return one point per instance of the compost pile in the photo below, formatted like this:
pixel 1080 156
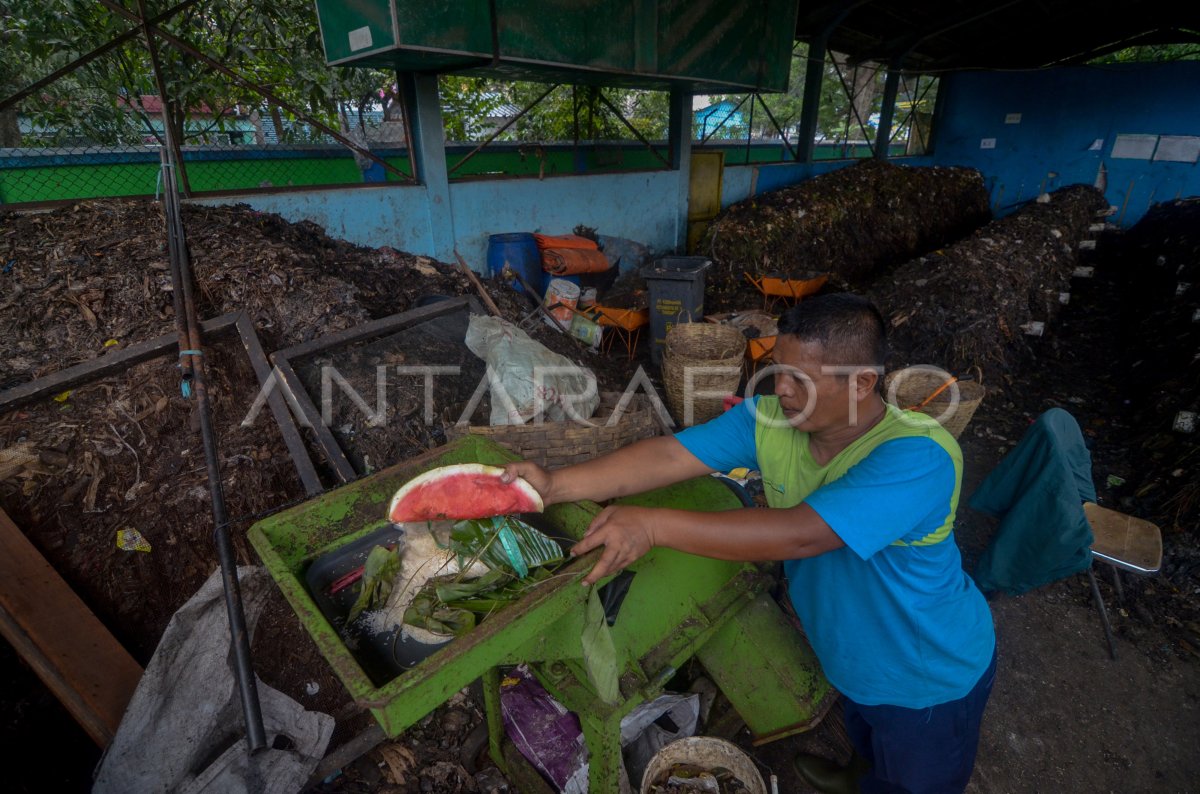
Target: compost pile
pixel 120 456
pixel 123 453
pixel 969 305
pixel 83 279
pixel 1158 264
pixel 853 222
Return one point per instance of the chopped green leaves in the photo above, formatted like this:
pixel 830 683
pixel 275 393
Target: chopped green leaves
pixel 379 574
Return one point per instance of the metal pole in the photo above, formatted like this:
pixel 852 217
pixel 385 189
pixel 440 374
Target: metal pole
pixel 728 116
pixel 749 132
pixel 165 102
pixel 181 327
pixel 883 135
pixel 193 354
pixel 852 95
pixel 810 104
pixel 501 129
pixel 632 129
pixel 782 134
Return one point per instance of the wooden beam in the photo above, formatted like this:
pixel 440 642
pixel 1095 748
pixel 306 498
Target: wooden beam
pixel 107 364
pixel 61 639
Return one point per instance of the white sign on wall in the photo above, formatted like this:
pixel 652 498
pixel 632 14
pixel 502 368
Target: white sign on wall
pixel 1178 149
pixel 987 143
pixel 1012 118
pixel 1134 147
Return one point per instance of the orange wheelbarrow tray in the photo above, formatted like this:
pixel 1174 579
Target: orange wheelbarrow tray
pixel 625 319
pixel 776 287
pixel 760 348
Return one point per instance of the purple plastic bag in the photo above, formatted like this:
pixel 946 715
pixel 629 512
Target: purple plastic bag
pixel 543 730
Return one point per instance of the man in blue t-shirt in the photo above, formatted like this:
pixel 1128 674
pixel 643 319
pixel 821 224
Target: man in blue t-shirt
pixel 862 499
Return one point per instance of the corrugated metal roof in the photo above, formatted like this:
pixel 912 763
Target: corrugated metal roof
pixel 1015 34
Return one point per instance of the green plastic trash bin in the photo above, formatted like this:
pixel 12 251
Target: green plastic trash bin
pixel 676 286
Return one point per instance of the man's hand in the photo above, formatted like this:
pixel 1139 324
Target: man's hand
pixel 541 480
pixel 626 533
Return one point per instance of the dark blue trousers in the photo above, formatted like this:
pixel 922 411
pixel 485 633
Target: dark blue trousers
pixel 920 751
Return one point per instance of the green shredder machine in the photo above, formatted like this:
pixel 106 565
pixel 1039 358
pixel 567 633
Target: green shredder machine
pixel 678 606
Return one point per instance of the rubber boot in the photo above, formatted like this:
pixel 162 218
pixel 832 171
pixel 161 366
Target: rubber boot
pixel 829 777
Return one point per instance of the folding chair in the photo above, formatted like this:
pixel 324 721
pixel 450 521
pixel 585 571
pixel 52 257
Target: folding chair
pixel 1125 543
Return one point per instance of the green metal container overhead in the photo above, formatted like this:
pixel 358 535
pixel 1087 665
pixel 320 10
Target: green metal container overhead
pixel 702 45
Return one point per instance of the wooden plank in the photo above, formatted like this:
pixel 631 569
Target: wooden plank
pixel 279 409
pixel 108 364
pixel 374 328
pixel 59 637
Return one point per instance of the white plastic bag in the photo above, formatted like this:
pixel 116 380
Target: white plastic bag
pixel 528 381
pixel 642 736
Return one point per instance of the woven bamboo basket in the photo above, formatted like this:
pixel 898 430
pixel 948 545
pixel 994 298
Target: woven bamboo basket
pixel 714 354
pixel 917 389
pixel 557 444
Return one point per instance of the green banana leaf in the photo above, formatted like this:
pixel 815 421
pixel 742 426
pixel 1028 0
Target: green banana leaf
pixel 599 651
pixel 483 539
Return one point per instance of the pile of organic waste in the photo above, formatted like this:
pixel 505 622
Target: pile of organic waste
pixel 979 302
pixel 852 223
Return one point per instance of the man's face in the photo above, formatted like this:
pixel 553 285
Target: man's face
pixel 812 400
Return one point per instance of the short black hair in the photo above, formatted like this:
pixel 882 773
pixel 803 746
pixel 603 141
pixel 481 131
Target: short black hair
pixel 848 327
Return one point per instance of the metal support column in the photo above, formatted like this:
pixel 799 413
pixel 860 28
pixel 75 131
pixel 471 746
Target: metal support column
pixel 814 74
pixel 427 151
pixel 891 86
pixel 680 137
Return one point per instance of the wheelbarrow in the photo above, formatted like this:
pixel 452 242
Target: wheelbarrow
pixel 677 607
pixel 775 288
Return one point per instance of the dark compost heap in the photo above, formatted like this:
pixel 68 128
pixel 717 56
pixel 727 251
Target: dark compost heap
pixel 852 222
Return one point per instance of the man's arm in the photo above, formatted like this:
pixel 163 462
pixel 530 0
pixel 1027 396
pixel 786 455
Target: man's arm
pixel 642 466
pixel 751 534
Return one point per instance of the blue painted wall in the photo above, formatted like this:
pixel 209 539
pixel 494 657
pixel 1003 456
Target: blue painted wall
pixel 1063 112
pixel 395 215
pixel 640 206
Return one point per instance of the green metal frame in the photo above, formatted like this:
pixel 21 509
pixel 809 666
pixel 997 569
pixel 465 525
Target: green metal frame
pixel 677 606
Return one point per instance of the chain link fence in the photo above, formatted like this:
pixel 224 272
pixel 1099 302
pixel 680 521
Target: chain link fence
pixel 94 126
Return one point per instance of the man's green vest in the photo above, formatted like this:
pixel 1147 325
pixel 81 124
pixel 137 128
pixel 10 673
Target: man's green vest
pixel 790 474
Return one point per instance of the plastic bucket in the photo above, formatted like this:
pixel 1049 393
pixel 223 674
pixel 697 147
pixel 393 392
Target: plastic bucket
pixel 561 297
pixel 676 286
pixel 518 251
pixel 708 752
pixel 586 330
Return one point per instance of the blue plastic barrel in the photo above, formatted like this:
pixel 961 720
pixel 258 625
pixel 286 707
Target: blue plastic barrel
pixel 519 251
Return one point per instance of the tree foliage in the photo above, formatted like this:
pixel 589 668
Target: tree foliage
pixel 1152 53
pixel 276 45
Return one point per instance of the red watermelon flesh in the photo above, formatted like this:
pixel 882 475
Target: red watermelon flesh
pixel 466 490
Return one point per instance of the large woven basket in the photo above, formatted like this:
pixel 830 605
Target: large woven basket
pixel 916 388
pixel 556 444
pixel 714 354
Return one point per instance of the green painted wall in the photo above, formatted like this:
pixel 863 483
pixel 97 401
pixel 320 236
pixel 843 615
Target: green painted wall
pixel 86 176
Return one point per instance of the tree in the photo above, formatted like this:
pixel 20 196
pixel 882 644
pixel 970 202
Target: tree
pixel 1152 53
pixel 467 103
pixel 274 44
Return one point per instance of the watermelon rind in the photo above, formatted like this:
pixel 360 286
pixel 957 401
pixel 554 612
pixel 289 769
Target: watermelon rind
pixel 526 490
